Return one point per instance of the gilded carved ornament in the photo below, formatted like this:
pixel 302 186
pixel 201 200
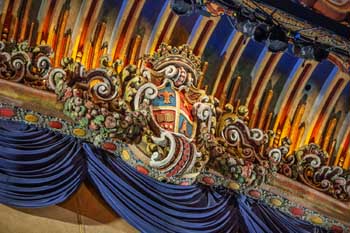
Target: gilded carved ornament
pixel 179 129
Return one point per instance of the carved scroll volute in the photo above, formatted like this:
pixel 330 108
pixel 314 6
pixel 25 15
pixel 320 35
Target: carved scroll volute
pixel 312 169
pixel 39 67
pixel 236 134
pixel 102 87
pixel 13 67
pixel 205 113
pixel 21 63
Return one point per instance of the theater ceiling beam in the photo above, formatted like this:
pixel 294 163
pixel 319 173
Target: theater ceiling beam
pixel 46 12
pixel 201 33
pixel 123 28
pixel 327 109
pixel 3 6
pixel 43 9
pixel 299 85
pixel 291 94
pixel 79 26
pixel 266 66
pixel 232 44
pixel 118 25
pixel 323 106
pixel 24 20
pixel 91 26
pixel 129 34
pixel 9 19
pixel 343 139
pixel 229 70
pixel 163 28
pixel 62 39
pixel 54 22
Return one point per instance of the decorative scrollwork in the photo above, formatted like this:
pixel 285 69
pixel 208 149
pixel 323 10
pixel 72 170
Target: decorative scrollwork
pixel 309 165
pixel 177 127
pixel 123 106
pixel 176 63
pixel 21 63
pixel 12 64
pixel 144 94
pixel 236 154
pixel 101 86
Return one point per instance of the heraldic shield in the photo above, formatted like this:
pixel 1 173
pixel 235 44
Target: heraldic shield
pixel 172 110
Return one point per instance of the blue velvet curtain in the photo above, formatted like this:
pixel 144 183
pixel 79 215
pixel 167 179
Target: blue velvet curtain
pixel 39 168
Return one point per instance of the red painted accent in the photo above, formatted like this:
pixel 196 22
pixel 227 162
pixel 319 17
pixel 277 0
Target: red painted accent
pixel 186 151
pixel 7 112
pixel 165 124
pixel 208 180
pixel 142 169
pixel 337 229
pixel 296 211
pixel 55 124
pixel 185 106
pixel 178 167
pixel 109 146
pixel 254 193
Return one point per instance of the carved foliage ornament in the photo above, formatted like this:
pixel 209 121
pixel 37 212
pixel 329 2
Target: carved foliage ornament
pixel 177 128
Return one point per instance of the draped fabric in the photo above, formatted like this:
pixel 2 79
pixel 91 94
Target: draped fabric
pixel 160 207
pixel 39 168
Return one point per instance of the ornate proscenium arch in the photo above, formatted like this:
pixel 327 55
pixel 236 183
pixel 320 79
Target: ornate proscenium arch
pixel 177 132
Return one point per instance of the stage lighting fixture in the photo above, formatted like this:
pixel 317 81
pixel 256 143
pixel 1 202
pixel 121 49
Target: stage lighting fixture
pixel 182 7
pixel 247 27
pixel 261 32
pixel 320 54
pixel 314 52
pixel 277 40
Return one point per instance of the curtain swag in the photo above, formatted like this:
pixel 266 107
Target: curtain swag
pixel 39 168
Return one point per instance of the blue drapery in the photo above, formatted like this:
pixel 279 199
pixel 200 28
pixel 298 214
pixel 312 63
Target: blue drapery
pixel 39 168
